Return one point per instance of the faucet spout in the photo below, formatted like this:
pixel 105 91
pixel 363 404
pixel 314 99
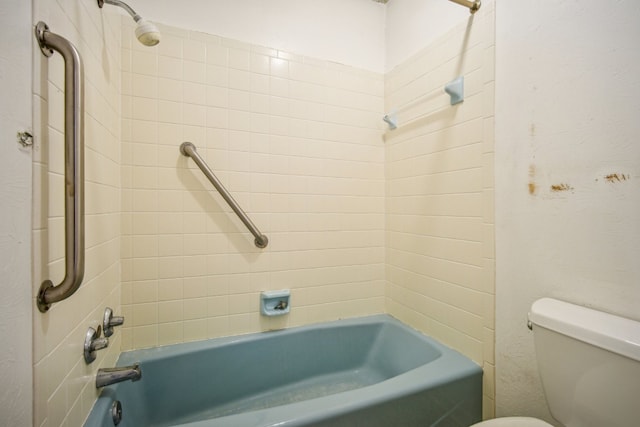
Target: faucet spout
pixel 108 376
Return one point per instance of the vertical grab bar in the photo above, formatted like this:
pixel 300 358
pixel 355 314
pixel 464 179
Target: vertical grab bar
pixel 189 150
pixel 73 167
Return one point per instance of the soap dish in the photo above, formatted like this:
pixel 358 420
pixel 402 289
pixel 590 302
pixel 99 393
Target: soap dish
pixel 275 303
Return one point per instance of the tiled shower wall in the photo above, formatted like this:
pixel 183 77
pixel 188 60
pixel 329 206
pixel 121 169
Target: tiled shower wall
pixel 297 142
pixel 439 193
pixel 64 390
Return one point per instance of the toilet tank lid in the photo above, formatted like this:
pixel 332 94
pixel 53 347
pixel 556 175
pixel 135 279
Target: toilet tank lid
pixel 610 332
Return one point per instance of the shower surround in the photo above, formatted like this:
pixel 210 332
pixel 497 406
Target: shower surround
pixel 296 140
pixel 440 263
pixel 300 144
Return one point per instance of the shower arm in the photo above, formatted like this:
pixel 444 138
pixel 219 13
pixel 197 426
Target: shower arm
pixel 473 6
pixel 123 5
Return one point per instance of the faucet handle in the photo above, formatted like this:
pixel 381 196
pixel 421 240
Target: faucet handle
pixel 93 342
pixel 109 321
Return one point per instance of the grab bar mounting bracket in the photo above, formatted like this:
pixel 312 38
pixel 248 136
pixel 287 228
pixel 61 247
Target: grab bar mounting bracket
pixel 44 306
pixel 41 27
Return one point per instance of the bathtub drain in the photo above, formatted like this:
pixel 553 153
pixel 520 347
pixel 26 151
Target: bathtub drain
pixel 116 412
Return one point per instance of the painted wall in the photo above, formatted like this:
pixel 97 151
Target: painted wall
pixel 15 221
pixel 413 24
pixel 360 33
pixel 64 388
pixel 567 184
pixel 345 31
pixel 297 142
pixel 439 193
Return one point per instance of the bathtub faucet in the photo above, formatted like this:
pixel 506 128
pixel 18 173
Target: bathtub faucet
pixel 108 376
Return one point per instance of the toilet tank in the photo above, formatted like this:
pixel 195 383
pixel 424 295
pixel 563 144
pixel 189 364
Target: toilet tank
pixel 589 363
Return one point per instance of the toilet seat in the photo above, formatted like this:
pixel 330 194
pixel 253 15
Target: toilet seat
pixel 513 422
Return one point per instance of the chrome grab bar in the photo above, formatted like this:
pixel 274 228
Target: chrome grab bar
pixel 189 150
pixel 73 167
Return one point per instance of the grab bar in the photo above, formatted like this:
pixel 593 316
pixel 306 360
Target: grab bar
pixel 189 150
pixel 73 167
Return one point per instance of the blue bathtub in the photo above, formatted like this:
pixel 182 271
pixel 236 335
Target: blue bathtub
pixel 371 371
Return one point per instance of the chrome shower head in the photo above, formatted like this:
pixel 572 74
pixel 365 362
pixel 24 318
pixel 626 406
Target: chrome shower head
pixel 146 32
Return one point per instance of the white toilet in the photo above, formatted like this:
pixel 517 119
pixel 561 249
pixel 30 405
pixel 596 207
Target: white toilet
pixel 589 363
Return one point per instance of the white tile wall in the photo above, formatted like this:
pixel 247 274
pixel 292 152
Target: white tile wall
pixel 439 194
pixel 300 144
pixel 63 384
pixel 297 141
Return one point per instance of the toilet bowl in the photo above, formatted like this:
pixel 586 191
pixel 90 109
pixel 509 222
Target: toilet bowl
pixel 513 422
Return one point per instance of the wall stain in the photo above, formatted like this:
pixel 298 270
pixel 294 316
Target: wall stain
pixel 561 187
pixel 532 184
pixel 617 177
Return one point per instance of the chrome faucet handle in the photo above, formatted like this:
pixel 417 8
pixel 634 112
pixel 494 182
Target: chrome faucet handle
pixel 93 342
pixel 109 321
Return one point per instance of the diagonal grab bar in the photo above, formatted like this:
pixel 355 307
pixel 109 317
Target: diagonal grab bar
pixel 73 167
pixel 189 150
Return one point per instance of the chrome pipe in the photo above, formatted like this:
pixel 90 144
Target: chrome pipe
pixel 73 167
pixel 189 150
pixel 473 6
pixel 121 4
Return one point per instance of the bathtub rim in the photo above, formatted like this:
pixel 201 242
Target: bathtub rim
pixel 448 367
pixel 171 350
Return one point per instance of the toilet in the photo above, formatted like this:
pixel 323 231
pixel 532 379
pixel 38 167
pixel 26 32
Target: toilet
pixel 589 364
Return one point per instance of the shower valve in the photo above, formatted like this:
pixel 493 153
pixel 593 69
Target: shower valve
pixel 109 321
pixel 93 342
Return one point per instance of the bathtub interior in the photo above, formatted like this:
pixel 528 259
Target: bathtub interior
pixel 220 378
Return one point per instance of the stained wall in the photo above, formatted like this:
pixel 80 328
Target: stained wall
pixel 567 199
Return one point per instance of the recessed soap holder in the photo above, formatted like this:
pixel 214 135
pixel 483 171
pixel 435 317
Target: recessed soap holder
pixel 275 303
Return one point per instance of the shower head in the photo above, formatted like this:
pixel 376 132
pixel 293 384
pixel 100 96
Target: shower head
pixel 146 32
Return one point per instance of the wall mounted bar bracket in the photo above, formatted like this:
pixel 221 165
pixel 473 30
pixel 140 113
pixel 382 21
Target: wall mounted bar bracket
pixel 189 150
pixel 391 120
pixel 455 89
pixel 473 6
pixel 73 167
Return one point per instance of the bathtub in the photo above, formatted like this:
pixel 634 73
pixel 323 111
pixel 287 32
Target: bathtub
pixel 371 371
